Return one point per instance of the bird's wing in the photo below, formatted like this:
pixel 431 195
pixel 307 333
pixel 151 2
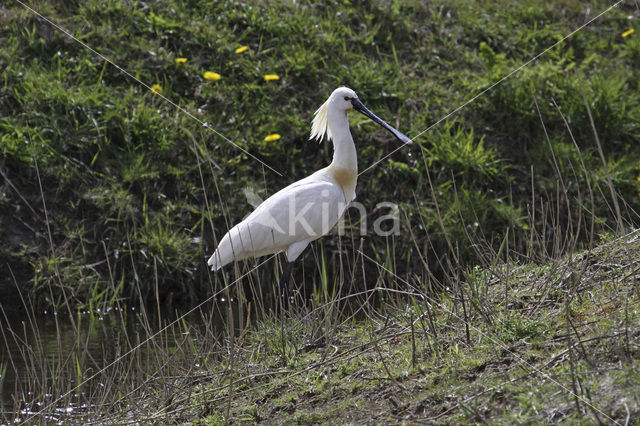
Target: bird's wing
pixel 305 210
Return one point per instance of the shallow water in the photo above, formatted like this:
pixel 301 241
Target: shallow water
pixel 53 351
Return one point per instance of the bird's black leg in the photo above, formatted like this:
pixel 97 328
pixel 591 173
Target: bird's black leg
pixel 283 285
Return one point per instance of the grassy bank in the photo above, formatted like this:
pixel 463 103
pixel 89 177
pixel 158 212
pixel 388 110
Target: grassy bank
pixel 108 187
pixel 526 343
pixel 557 342
pixel 522 343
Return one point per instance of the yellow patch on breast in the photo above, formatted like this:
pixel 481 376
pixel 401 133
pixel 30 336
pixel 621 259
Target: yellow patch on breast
pixel 346 178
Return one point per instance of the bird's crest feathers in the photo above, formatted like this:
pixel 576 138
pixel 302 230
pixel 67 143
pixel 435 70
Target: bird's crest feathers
pixel 320 124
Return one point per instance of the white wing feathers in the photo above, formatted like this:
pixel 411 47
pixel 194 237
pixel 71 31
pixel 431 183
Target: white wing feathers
pixel 299 213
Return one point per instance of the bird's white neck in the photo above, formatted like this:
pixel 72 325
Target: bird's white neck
pixel 344 150
pixel 344 167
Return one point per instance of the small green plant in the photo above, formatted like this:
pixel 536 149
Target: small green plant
pixel 517 328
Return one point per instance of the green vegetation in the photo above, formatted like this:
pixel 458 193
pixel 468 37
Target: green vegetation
pixel 551 343
pixel 127 176
pixel 113 195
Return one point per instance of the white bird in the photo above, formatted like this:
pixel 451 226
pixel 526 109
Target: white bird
pixel 307 209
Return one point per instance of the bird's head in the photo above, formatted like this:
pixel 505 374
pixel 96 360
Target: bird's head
pixel 345 99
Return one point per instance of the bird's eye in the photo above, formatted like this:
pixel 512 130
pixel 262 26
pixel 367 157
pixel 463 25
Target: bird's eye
pixel 346 98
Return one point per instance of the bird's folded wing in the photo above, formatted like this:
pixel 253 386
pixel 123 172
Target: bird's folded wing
pixel 305 210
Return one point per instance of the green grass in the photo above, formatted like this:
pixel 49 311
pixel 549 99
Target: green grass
pixel 122 166
pixel 522 343
pixel 519 364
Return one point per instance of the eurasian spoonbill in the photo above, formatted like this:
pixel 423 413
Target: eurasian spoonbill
pixel 307 209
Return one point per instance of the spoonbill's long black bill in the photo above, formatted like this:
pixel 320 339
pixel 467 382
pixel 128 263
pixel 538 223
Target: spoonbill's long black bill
pixel 358 106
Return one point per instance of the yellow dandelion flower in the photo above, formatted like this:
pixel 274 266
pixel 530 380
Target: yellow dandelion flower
pixel 181 60
pixel 271 77
pixel 627 33
pixel 272 137
pixel 156 88
pixel 212 76
pixel 242 49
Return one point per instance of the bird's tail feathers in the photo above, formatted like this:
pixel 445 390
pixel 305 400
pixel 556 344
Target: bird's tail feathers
pixel 215 261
